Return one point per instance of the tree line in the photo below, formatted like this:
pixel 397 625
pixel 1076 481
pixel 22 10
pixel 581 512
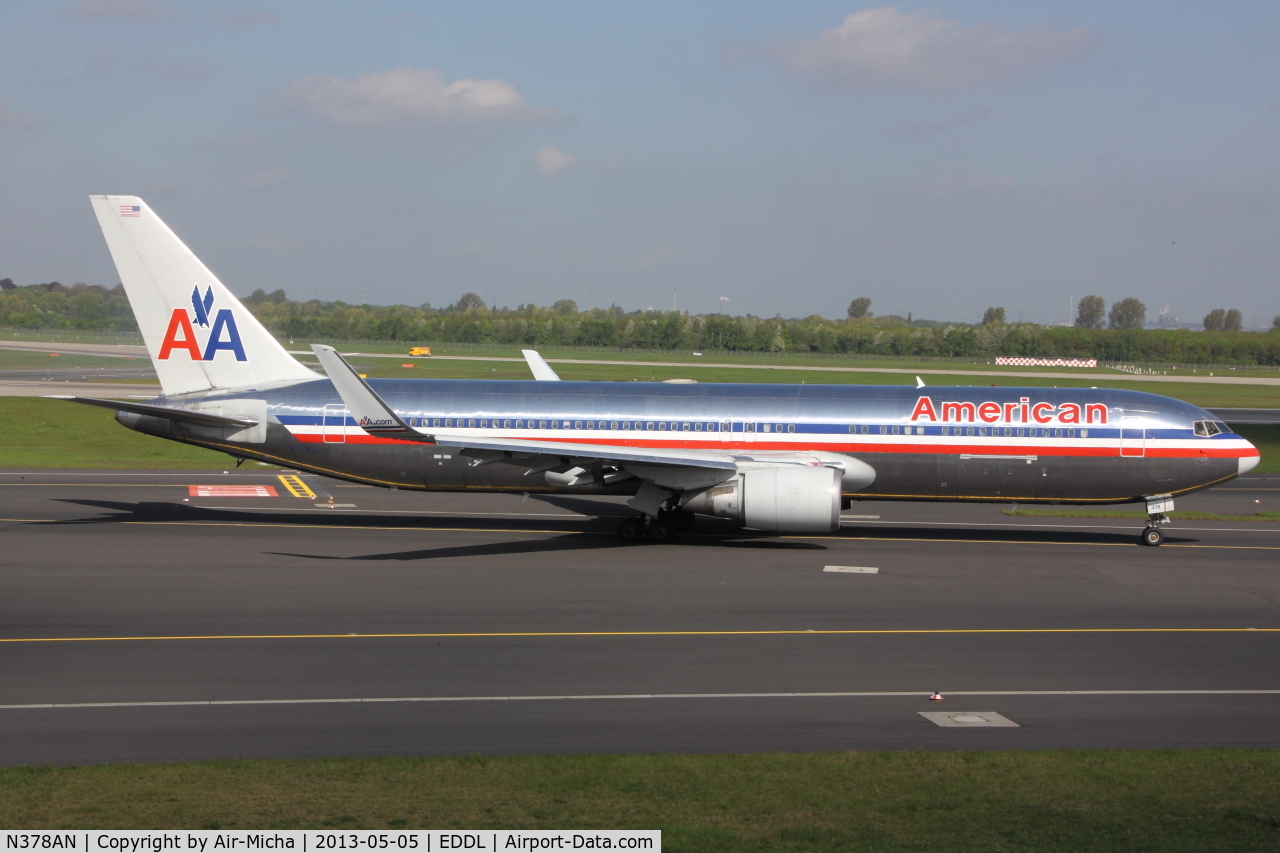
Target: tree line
pixel 469 320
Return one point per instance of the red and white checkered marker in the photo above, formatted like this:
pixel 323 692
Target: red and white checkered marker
pixel 232 491
pixel 936 697
pixel 1020 361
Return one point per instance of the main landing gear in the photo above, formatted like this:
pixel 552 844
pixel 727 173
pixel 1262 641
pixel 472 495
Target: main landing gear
pixel 1152 536
pixel 661 528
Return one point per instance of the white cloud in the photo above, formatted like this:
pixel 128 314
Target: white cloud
pixel 883 48
pixel 129 10
pixel 404 97
pixel 9 117
pixel 244 18
pixel 180 70
pixel 267 179
pixel 550 160
pixel 954 186
pixel 926 128
pixel 403 19
pixel 621 162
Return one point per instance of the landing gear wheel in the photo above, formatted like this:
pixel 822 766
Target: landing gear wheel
pixel 661 531
pixel 1152 536
pixel 631 530
pixel 683 520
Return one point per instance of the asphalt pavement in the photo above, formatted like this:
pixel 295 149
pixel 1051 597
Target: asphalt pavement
pixel 183 615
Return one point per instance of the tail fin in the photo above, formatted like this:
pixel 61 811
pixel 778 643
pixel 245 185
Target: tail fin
pixel 199 336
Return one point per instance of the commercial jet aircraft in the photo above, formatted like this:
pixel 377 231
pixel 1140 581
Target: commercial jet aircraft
pixel 779 458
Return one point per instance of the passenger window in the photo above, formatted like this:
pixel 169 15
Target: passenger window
pixel 472 423
pixel 576 424
pixel 884 430
pixel 895 430
pixel 1057 433
pixel 1008 431
pixel 777 428
pixel 1084 433
pixel 437 423
pixel 791 427
pixel 686 427
pixel 968 431
pixel 649 425
pixel 662 425
pixel 1021 432
pixel 506 424
pixel 982 430
pixel 750 427
pixel 1071 433
pixel 626 424
pixel 591 424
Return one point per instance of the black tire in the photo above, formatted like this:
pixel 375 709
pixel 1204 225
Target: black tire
pixel 683 520
pixel 631 530
pixel 661 531
pixel 1152 536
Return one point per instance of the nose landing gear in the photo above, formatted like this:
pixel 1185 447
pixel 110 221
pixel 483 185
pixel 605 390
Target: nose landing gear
pixel 1157 505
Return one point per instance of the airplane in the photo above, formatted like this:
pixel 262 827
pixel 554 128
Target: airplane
pixel 771 457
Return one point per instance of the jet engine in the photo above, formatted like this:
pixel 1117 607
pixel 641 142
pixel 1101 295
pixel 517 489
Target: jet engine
pixel 782 499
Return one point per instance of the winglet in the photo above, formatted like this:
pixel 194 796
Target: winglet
pixel 541 370
pixel 371 413
pixel 919 382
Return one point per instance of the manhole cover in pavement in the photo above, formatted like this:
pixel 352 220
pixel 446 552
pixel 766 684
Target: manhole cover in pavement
pixel 968 719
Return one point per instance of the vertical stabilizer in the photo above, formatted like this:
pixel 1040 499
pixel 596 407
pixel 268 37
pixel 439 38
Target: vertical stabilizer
pixel 199 336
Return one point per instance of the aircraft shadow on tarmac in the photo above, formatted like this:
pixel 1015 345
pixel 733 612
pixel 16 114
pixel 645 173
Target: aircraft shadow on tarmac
pixel 584 533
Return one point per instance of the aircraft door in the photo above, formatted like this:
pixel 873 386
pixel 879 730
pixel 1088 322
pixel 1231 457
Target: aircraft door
pixel 726 437
pixel 335 424
pixel 1133 436
pixel 749 432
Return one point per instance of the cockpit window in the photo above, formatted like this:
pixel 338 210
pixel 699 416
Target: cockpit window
pixel 1208 428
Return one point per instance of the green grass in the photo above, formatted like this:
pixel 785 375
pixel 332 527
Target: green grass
pixel 13 359
pixel 1052 800
pixel 1209 396
pixel 53 434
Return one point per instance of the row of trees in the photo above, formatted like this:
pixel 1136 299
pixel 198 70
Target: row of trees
pixel 470 320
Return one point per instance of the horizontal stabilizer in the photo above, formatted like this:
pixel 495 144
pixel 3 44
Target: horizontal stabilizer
pixel 168 412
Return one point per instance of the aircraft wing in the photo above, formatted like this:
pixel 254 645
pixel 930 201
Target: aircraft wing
pixel 375 417
pixel 172 413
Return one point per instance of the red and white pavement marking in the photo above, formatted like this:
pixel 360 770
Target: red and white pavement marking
pixel 232 491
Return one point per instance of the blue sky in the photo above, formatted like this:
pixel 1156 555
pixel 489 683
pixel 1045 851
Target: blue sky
pixel 790 157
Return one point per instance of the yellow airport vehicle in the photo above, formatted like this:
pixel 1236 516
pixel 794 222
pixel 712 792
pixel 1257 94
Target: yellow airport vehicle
pixel 420 351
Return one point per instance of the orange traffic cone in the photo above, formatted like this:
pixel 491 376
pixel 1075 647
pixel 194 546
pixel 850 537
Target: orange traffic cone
pixel 936 697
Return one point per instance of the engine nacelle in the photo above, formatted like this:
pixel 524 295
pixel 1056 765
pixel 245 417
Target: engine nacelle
pixel 784 499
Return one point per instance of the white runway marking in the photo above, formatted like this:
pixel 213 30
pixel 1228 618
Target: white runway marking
pixel 859 570
pixel 916 694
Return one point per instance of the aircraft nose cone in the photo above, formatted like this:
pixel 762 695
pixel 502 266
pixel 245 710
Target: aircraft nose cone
pixel 1248 463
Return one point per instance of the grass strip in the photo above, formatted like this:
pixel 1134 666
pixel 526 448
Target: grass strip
pixel 1185 515
pixel 1114 800
pixel 55 434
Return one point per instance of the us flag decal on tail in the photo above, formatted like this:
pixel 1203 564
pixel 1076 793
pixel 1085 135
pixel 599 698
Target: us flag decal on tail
pixel 130 210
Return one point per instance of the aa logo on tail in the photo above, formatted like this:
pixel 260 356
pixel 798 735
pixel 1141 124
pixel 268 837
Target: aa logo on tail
pixel 181 335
